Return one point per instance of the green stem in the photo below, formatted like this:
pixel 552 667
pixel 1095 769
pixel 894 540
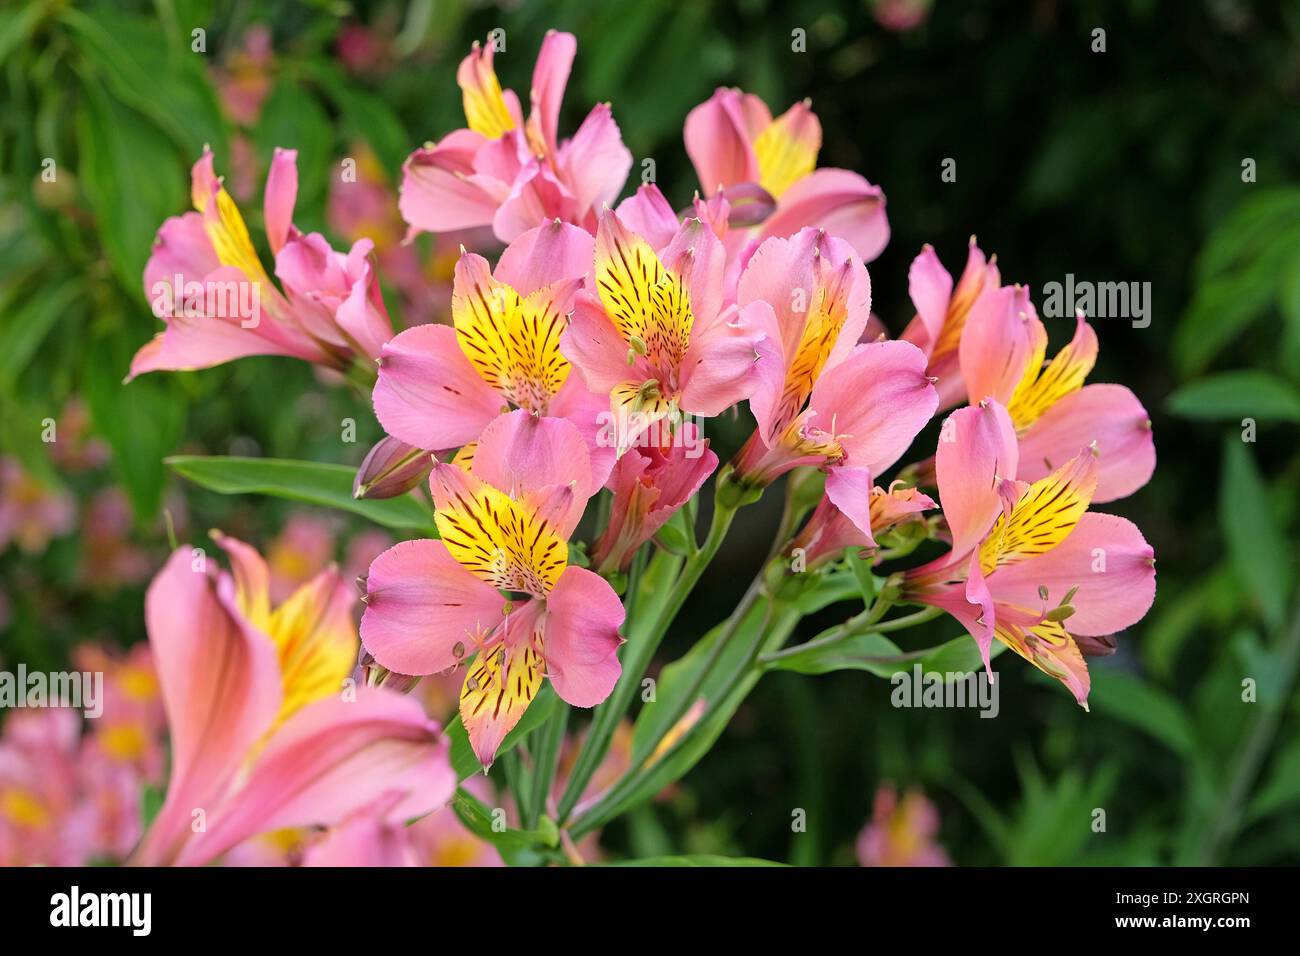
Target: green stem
pixel 550 740
pixel 642 644
pixel 868 621
pixel 609 803
pixel 722 517
pixel 1227 820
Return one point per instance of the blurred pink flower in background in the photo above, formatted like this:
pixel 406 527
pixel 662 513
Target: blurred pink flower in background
pixel 74 447
pixel 901 15
pixel 901 832
pixel 276 739
pixel 367 48
pixel 62 803
pixel 243 81
pixel 131 729
pixel 108 556
pixel 304 546
pixel 31 512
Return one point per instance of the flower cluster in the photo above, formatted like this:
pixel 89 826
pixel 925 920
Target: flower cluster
pixel 576 376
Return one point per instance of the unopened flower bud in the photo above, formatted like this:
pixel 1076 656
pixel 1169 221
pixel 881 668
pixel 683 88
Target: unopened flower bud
pixel 390 469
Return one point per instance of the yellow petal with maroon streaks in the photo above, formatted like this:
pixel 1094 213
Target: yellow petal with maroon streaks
pixel 649 305
pixel 1046 513
pixel 499 685
pixel 503 541
pixel 512 342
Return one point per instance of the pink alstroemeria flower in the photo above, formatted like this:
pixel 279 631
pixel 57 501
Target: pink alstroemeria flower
pixel 650 483
pixel 439 386
pixel 656 336
pixel 735 144
pixel 1054 413
pixel 31 513
pixel 829 531
pixel 510 174
pixel 901 832
pixel 267 733
pixel 504 526
pixel 827 401
pixel 206 282
pixel 1029 564
pixel 941 313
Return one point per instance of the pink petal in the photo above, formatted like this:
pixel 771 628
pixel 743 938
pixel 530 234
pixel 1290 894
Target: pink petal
pixel 647 213
pixel 595 163
pixel 535 195
pixel 367 838
pixel 552 252
pixel 220 682
pixel 280 197
pixel 719 140
pixel 428 394
pixel 875 402
pixel 590 413
pixel 519 453
pixel 328 761
pixel 362 314
pixel 420 604
pixel 202 341
pixel 1110 415
pixel 181 248
pixel 594 346
pixel 722 365
pixel 439 193
pixel 849 489
pixel 839 201
pixel 550 76
pixel 1106 558
pixel 581 644
pixel 977 446
pixel 930 287
pixel 998 343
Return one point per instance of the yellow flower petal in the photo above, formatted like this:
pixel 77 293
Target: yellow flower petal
pixel 649 305
pixel 787 149
pixel 512 342
pixel 1044 515
pixel 503 541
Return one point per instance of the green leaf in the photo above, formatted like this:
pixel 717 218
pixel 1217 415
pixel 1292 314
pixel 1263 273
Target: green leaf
pixel 309 481
pixel 861 569
pixel 517 847
pixel 366 116
pixel 1232 396
pixel 1281 788
pixel 142 422
pixel 463 760
pixel 1133 701
pixel 28 325
pixel 130 185
pixel 1256 542
pixel 294 119
pixel 874 653
pixel 694 860
pixel 170 86
pixel 17 25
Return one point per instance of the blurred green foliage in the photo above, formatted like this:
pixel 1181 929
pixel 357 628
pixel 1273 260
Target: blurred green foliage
pixel 1127 165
